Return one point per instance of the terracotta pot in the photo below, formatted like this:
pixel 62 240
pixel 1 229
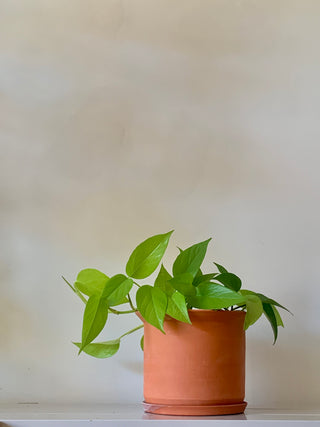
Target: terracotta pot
pixel 196 369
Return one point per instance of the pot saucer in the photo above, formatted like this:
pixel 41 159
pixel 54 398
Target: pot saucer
pixel 194 410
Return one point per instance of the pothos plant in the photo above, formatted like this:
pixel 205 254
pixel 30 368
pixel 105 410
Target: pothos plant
pixel 172 294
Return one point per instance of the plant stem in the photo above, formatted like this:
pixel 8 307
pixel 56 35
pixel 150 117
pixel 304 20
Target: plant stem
pixel 130 302
pixel 132 330
pixel 240 306
pixel 121 312
pixel 137 284
pixel 75 291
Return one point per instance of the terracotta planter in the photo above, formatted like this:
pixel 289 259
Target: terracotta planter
pixel 196 369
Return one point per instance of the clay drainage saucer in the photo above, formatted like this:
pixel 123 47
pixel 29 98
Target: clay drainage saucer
pixel 194 410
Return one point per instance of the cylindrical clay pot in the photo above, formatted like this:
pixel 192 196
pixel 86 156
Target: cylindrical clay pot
pixel 196 369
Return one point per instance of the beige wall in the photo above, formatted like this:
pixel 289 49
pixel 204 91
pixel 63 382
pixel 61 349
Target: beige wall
pixel 122 119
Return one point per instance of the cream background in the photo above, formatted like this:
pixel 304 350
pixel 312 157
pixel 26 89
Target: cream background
pixel 123 119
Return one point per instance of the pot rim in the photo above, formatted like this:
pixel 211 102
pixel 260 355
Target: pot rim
pixel 204 310
pixel 205 313
pixel 202 314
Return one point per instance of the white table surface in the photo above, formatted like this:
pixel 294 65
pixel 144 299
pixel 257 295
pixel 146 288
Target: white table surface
pixel 40 415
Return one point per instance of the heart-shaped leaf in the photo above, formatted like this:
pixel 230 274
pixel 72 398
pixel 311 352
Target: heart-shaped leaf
pixel 123 301
pixel 183 284
pixel 91 281
pixel 269 313
pixel 212 296
pixel 278 317
pixel 162 281
pixel 177 307
pixel 221 268
pixel 229 280
pixel 267 300
pixel 116 289
pixel 152 304
pixel 246 292
pixel 101 350
pixel 203 278
pixel 94 318
pixel 264 299
pixel 254 310
pixel 198 274
pixel 142 343
pixel 147 256
pixel 190 260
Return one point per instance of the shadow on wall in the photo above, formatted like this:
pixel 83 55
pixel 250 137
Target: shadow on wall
pixel 284 369
pixel 133 366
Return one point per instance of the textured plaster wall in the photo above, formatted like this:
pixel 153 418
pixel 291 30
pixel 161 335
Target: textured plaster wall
pixel 122 119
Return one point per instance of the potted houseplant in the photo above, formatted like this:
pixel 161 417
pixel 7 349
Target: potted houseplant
pixel 194 327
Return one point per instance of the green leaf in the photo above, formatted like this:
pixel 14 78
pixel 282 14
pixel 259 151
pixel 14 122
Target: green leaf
pixel 91 281
pixel 142 343
pixel 229 280
pixel 190 260
pixel 246 292
pixel 278 317
pixel 199 273
pixel 147 256
pixel 203 278
pixel 212 296
pixel 94 319
pixel 267 300
pixel 220 268
pixel 116 289
pixel 152 304
pixel 254 310
pixel 183 284
pixel 264 299
pixel 162 281
pixel 123 301
pixel 177 307
pixel 269 313
pixel 101 350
